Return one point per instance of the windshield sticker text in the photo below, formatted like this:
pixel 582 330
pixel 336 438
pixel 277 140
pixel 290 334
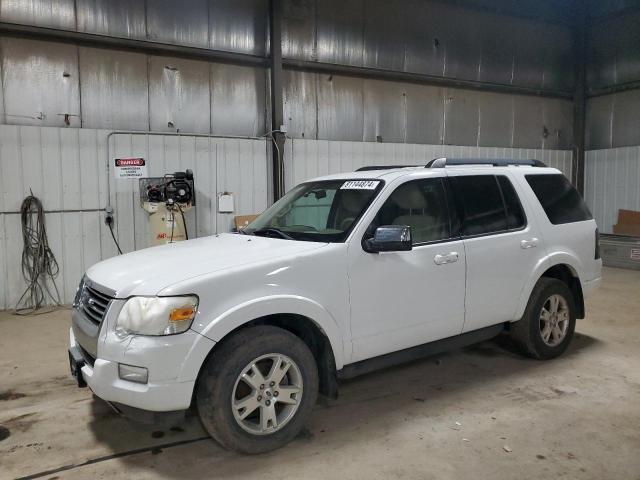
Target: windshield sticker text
pixel 360 185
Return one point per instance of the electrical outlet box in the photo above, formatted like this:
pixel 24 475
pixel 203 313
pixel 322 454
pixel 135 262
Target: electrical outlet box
pixel 225 202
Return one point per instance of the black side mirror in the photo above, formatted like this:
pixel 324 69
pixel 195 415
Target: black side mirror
pixel 389 238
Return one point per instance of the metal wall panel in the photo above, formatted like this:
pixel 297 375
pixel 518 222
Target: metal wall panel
pixel 238 25
pixel 238 100
pixel 40 82
pixel 424 48
pixel 68 170
pixel 626 119
pixel 179 95
pixel 340 107
pixel 114 89
pixel 117 18
pixel 557 124
pixel 612 177
pixel 305 159
pixel 339 29
pixel 384 43
pixel 613 120
pixel 462 116
pixel 300 104
pixel 44 13
pixel 299 29
pixel 598 123
pixel 495 123
pixel 425 114
pixel 614 51
pixel 356 109
pixel 528 122
pixel 385 112
pixel 178 22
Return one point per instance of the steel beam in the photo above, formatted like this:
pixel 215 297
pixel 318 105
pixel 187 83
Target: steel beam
pixel 277 114
pixel 397 76
pixel 611 89
pixel 579 40
pixel 118 43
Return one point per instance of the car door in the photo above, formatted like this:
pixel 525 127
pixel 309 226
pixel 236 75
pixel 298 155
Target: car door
pixel 402 299
pixel 502 247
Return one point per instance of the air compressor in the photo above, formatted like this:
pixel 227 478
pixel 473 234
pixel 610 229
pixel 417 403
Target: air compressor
pixel 166 199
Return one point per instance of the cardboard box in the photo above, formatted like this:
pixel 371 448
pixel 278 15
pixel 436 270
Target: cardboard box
pixel 243 220
pixel 628 223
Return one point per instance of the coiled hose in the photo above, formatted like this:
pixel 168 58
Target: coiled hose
pixel 39 265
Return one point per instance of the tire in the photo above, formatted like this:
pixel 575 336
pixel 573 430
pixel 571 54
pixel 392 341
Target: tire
pixel 220 384
pixel 532 334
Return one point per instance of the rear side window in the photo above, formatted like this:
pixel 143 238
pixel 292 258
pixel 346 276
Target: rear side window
pixel 488 204
pixel 561 202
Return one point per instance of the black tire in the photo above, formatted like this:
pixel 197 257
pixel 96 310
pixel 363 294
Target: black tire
pixel 217 380
pixel 526 332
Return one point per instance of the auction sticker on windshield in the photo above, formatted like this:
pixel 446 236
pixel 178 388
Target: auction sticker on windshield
pixel 360 185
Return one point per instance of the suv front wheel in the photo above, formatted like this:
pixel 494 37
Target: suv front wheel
pixel 257 391
pixel 546 328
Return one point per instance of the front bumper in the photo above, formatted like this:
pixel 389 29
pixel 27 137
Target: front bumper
pixel 173 363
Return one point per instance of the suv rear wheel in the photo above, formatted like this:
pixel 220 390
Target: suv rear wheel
pixel 257 391
pixel 548 323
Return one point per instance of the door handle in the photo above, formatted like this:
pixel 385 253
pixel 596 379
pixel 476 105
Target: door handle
pixel 444 259
pixel 529 243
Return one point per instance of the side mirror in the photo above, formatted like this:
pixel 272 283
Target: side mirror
pixel 389 238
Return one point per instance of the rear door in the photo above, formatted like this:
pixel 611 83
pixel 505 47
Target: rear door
pixel 502 245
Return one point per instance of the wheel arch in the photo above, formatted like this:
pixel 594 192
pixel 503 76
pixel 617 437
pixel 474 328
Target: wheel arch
pixel 564 270
pixel 305 319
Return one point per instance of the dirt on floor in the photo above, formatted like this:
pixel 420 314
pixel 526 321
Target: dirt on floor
pixel 480 412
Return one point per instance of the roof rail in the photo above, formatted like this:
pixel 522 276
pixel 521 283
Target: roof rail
pixel 496 162
pixel 369 168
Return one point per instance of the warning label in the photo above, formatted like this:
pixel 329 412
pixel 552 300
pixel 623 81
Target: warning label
pixel 130 168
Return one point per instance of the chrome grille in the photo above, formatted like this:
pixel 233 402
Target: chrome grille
pixel 93 303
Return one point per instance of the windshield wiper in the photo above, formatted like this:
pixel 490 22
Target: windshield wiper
pixel 270 230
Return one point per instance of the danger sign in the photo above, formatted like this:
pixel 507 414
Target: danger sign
pixel 130 168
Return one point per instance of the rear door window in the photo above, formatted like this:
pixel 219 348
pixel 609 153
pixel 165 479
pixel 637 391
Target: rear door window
pixel 560 200
pixel 487 204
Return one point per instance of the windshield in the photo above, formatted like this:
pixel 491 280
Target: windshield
pixel 323 211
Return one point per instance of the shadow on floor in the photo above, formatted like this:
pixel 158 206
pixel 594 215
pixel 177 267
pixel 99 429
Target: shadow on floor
pixel 363 405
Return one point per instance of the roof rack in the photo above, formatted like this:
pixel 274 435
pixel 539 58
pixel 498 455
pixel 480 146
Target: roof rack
pixel 496 162
pixel 369 168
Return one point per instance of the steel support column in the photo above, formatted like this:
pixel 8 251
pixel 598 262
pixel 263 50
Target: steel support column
pixel 579 99
pixel 277 115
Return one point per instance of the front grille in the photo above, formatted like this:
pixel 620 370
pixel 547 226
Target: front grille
pixel 93 303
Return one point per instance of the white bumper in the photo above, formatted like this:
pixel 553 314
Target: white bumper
pixel 173 363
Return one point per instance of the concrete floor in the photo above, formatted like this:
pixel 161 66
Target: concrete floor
pixel 482 412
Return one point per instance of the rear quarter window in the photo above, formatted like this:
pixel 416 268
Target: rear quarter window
pixel 560 200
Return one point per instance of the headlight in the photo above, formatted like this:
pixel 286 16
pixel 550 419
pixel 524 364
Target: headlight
pixel 156 315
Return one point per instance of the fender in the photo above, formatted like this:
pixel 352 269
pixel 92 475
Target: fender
pixel 278 304
pixel 545 263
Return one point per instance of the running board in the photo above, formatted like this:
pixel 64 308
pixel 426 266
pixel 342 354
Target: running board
pixel 419 351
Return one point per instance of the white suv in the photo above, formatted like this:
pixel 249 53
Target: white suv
pixel 345 274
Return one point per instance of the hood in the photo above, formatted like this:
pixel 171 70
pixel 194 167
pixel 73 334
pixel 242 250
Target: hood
pixel 148 271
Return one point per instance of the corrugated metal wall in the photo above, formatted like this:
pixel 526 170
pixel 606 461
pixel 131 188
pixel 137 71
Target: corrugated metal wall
pixel 48 84
pixel 614 46
pixel 306 159
pixel 52 84
pixel 333 107
pixel 67 169
pixel 612 180
pixel 429 37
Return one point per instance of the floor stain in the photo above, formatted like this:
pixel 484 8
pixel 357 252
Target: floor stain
pixel 10 395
